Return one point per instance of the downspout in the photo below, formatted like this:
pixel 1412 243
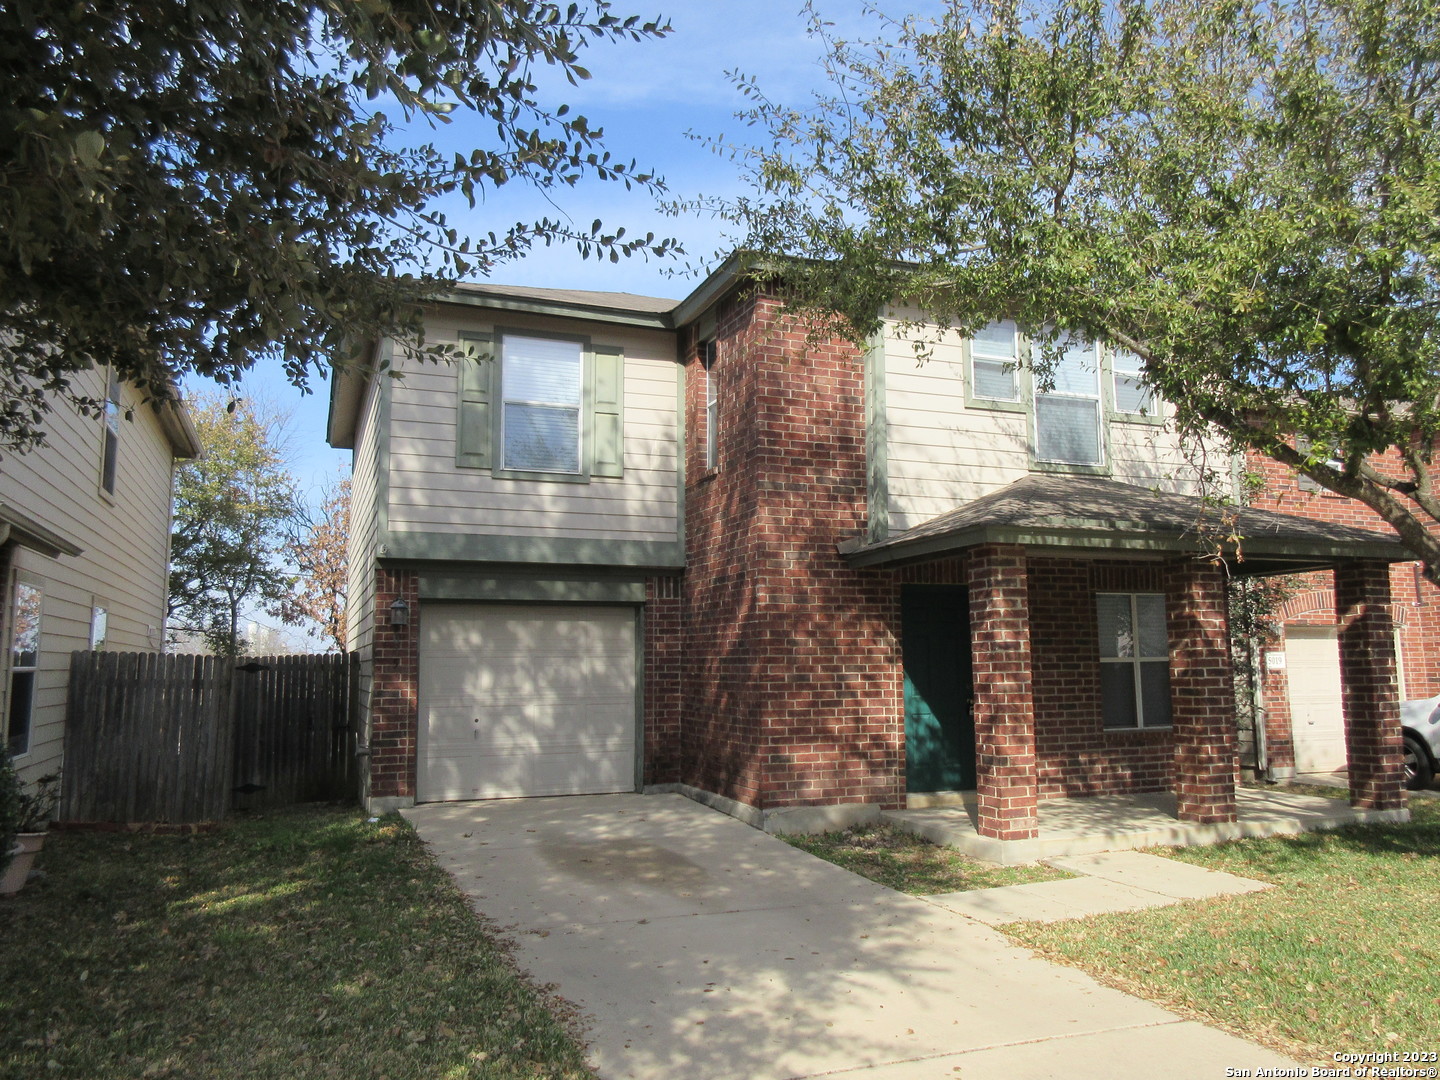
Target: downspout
pixel 1257 713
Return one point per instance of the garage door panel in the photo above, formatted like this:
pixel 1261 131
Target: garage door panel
pixel 1317 720
pixel 520 700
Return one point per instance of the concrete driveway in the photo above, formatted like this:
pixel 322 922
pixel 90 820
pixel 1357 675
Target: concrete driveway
pixel 697 947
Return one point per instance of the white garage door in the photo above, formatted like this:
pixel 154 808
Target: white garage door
pixel 1317 719
pixel 525 700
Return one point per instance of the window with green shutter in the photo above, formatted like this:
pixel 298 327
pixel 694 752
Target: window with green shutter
pixel 541 406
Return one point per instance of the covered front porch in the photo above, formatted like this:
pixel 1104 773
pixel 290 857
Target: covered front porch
pixel 1082 826
pixel 1037 563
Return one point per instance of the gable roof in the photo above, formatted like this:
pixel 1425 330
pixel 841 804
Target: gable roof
pixel 1082 512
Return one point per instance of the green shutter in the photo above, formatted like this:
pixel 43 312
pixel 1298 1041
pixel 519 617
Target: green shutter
pixel 472 421
pixel 608 455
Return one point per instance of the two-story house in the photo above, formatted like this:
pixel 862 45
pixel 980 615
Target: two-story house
pixel 84 552
pixel 640 544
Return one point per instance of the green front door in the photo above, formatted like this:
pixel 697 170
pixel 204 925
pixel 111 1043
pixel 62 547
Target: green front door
pixel 939 732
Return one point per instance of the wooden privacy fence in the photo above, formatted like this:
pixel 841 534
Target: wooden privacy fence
pixel 183 738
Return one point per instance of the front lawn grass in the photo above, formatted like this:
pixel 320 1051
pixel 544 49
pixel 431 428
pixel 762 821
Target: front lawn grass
pixel 304 944
pixel 909 864
pixel 1341 955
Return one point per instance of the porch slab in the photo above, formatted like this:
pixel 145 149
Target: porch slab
pixel 1122 822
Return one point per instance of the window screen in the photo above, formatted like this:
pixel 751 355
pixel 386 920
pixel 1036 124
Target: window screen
pixel 541 408
pixel 1067 413
pixel 994 361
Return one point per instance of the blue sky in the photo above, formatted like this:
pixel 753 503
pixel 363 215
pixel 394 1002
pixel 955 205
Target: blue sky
pixel 646 96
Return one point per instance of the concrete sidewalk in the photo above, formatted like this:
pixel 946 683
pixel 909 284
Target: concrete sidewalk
pixel 700 948
pixel 1109 881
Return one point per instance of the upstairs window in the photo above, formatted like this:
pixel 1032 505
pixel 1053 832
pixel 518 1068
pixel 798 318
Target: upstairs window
pixel 712 406
pixel 540 408
pixel 995 362
pixel 540 411
pixel 1067 410
pixel 24 659
pixel 110 454
pixel 1132 396
pixel 1134 660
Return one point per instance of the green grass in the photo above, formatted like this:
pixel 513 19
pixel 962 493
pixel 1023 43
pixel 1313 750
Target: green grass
pixel 302 944
pixel 1342 955
pixel 908 864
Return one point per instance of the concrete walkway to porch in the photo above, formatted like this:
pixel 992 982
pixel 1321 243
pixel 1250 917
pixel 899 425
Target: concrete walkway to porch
pixel 1107 881
pixel 1121 822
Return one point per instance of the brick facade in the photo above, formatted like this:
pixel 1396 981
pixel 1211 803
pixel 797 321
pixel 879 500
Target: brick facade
pixel 792 683
pixel 1004 709
pixel 1076 754
pixel 394 688
pixel 1367 666
pixel 1202 688
pixel 663 657
pixel 1414 605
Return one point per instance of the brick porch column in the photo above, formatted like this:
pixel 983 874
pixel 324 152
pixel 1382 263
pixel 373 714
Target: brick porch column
pixel 1371 692
pixel 1202 693
pixel 394 693
pixel 1004 707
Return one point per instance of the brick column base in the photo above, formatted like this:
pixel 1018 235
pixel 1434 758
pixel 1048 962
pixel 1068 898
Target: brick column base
pixel 1004 703
pixel 1371 691
pixel 395 689
pixel 1202 693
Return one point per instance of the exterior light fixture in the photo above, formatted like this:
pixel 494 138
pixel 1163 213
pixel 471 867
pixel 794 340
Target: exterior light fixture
pixel 399 613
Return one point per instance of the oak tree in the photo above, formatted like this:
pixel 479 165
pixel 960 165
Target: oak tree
pixel 188 185
pixel 1246 195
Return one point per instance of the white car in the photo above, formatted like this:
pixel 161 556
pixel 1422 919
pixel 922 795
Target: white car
pixel 1420 724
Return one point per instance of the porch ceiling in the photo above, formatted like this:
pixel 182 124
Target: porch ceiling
pixel 1081 513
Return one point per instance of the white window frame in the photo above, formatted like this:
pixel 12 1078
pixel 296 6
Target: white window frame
pixel 99 627
pixel 1098 399
pixel 1136 662
pixel 981 351
pixel 32 669
pixel 1126 365
pixel 578 407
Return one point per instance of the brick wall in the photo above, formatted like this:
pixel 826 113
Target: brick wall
pixel 1417 602
pixel 1076 755
pixel 1367 663
pixel 662 652
pixel 792 683
pixel 394 695
pixel 1202 687
pixel 1000 649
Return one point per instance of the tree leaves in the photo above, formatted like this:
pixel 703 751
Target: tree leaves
pixel 1244 195
pixel 189 185
pixel 233 507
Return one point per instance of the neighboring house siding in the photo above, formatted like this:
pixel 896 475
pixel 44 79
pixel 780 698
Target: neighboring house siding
pixel 942 452
pixel 430 494
pixel 125 542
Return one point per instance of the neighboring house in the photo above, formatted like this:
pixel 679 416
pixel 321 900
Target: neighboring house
pixel 641 544
pixel 84 552
pixel 1305 723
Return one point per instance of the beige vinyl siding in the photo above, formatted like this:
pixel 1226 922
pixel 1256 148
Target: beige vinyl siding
pixel 360 554
pixel 123 567
pixel 429 493
pixel 942 454
pixel 1150 455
